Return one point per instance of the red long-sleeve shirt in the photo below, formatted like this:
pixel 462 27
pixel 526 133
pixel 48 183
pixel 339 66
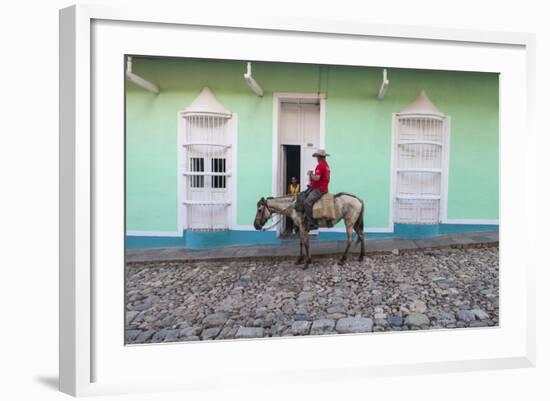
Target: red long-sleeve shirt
pixel 323 171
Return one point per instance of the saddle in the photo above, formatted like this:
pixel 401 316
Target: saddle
pixel 324 208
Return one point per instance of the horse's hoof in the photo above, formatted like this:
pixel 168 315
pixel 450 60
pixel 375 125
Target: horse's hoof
pixel 306 266
pixel 361 258
pixel 299 261
pixel 341 262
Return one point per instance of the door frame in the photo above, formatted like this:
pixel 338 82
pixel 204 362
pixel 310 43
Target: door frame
pixel 278 98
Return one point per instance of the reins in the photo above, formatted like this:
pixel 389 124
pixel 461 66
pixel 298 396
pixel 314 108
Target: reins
pixel 279 213
pixel 273 225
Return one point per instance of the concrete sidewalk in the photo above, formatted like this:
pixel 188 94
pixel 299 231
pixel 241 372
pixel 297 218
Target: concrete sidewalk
pixel 318 248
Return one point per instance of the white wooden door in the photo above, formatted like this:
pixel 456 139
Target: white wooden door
pixel 311 140
pixel 283 185
pixel 300 125
pixel 282 170
pixel 290 124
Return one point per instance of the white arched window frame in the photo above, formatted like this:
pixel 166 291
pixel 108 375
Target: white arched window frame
pixel 420 163
pixel 207 139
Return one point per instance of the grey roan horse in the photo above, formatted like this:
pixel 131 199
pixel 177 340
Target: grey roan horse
pixel 348 207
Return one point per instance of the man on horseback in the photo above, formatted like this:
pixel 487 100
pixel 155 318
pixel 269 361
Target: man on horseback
pixel 347 207
pixel 318 186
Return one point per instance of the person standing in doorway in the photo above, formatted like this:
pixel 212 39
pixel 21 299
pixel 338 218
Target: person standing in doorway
pixel 318 183
pixel 293 189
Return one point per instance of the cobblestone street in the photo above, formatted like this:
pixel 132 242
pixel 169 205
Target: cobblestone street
pixel 209 300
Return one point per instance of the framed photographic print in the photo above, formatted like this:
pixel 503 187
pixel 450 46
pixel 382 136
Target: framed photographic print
pixel 236 192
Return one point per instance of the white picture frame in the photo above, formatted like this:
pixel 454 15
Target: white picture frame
pixel 89 356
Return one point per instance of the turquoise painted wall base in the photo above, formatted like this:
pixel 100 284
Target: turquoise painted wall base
pixel 208 240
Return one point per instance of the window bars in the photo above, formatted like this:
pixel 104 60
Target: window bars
pixel 419 168
pixel 207 162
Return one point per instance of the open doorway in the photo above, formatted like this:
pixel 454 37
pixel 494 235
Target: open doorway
pixel 299 130
pixel 291 159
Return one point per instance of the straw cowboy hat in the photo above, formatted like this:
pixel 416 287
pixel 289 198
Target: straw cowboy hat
pixel 321 153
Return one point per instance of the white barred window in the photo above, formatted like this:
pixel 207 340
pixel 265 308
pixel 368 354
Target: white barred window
pixel 420 146
pixel 206 163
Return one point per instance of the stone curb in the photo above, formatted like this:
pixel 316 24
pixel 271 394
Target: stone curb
pixel 331 254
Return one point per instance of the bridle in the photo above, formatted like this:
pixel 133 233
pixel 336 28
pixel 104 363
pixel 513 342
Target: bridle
pixel 263 202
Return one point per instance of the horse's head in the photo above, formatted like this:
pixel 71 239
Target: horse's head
pixel 263 214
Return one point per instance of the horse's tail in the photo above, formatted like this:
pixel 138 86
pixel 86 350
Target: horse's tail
pixel 359 223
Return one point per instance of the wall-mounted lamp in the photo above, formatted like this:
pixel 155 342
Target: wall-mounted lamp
pixel 384 86
pixel 139 81
pixel 251 82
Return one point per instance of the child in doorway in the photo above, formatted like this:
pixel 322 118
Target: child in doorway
pixel 293 189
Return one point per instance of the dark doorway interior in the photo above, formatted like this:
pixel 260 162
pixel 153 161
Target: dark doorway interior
pixel 292 157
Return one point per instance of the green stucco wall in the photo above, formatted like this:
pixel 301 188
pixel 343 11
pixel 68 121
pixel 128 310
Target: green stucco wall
pixel 358 133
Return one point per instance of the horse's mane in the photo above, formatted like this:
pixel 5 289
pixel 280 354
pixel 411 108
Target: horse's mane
pixel 281 197
pixel 346 193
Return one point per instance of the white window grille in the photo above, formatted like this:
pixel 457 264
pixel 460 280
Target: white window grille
pixel 206 163
pixel 218 166
pixel 420 170
pixel 196 166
